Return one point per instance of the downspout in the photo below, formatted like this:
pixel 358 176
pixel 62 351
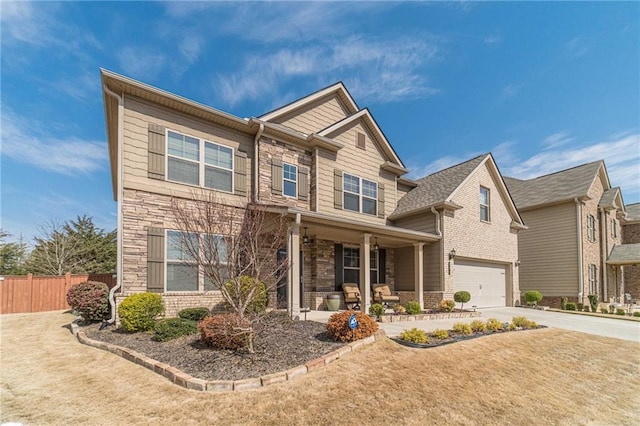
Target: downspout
pixel 120 191
pixel 256 164
pixel 604 250
pixel 437 213
pixel 579 227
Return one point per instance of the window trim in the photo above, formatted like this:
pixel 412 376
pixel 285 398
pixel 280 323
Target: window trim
pixel 202 164
pixel 487 206
pixel 593 278
pixel 614 228
pixel 360 195
pixel 591 228
pixel 295 182
pixel 371 268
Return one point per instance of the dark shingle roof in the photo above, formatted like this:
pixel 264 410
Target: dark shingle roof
pixel 562 185
pixel 625 253
pixel 436 187
pixel 633 211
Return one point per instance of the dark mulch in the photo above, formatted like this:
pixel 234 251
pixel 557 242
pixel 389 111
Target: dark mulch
pixel 455 337
pixel 280 344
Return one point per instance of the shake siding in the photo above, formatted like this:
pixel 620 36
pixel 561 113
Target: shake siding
pixel 137 116
pixel 549 251
pixel 316 116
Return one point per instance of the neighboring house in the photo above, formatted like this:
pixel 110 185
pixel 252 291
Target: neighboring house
pixel 469 206
pixel 574 218
pixel 629 256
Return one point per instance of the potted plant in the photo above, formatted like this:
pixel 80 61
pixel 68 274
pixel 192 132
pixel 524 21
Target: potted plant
pixel 333 302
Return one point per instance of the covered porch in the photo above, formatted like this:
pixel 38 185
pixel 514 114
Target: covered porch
pixel 623 255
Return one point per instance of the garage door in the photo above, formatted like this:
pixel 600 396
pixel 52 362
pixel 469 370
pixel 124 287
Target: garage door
pixel 485 281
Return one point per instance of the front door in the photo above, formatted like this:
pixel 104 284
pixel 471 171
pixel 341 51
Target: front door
pixel 281 289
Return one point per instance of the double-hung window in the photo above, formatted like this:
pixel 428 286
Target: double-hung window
pixel 484 204
pixel 351 265
pixel 360 195
pixel 198 162
pixel 614 228
pixel 289 180
pixel 593 279
pixel 591 228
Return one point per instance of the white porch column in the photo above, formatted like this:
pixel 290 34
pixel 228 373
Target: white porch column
pixel 418 272
pixel 293 282
pixel 365 273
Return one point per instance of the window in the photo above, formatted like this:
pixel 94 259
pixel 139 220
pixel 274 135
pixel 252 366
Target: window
pixel 360 195
pixel 593 280
pixel 591 228
pixel 484 204
pixel 351 262
pixel 374 267
pixel 289 180
pixel 614 228
pixel 198 162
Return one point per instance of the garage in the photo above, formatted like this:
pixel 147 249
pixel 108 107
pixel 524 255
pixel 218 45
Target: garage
pixel 485 281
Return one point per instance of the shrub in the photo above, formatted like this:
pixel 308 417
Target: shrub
pixel 593 301
pixel 440 334
pixel 139 311
pixel 399 309
pixel 636 314
pixel 376 309
pixel 447 305
pixel 172 328
pixel 594 309
pixel 580 306
pixel 620 311
pixel 571 306
pixel 563 303
pixel 414 335
pixel 585 308
pixel 462 297
pixel 225 331
pixel 90 299
pixel 612 309
pixel 493 324
pixel 258 303
pixel 523 322
pixel 338 326
pixel 413 308
pixel 512 327
pixel 194 314
pixel 532 297
pixel 478 325
pixel 604 310
pixel 462 328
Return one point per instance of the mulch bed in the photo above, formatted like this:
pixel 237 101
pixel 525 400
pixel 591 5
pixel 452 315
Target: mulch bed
pixel 280 344
pixel 455 337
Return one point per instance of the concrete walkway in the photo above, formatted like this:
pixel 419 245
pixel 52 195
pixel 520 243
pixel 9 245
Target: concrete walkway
pixel 608 327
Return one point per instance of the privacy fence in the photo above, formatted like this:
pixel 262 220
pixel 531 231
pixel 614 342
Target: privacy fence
pixel 29 293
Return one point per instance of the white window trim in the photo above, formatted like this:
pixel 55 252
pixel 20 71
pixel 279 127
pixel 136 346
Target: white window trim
pixel 201 161
pixel 360 195
pixel 593 278
pixel 591 228
pixel 296 182
pixel 614 228
pixel 488 205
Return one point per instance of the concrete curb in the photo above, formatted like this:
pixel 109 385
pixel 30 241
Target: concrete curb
pixel 186 381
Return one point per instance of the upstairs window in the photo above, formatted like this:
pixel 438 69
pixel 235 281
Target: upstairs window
pixel 484 204
pixel 289 180
pixel 591 228
pixel 614 228
pixel 183 158
pixel 360 195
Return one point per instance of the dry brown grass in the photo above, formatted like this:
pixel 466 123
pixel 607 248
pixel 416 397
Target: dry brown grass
pixel 534 377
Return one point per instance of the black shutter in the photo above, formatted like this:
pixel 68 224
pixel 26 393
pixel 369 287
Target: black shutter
pixel 339 264
pixel 382 266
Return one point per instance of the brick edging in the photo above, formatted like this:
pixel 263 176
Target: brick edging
pixel 420 317
pixel 186 381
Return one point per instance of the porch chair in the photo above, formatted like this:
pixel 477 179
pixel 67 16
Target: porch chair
pixel 382 294
pixel 351 295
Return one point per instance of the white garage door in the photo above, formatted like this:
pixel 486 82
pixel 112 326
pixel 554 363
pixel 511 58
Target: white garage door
pixel 485 281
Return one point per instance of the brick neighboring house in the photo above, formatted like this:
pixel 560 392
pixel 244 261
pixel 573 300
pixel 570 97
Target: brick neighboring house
pixel 574 218
pixel 629 256
pixel 324 160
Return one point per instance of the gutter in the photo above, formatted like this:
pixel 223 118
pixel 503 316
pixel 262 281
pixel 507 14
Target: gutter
pixel 438 229
pixel 256 163
pixel 579 228
pixel 119 245
pixel 603 250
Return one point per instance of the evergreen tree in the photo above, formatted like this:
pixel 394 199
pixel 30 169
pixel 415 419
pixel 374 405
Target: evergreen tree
pixel 12 256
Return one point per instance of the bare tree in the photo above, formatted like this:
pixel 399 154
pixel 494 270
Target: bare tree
pixel 55 251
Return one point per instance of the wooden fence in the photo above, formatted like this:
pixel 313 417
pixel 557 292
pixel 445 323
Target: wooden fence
pixel 29 293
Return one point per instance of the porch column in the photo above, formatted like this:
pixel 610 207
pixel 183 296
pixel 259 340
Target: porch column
pixel 418 272
pixel 365 273
pixel 293 283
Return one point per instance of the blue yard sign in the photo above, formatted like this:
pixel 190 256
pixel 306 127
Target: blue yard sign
pixel 353 322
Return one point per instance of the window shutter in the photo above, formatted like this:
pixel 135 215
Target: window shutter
pixel 276 176
pixel 382 266
pixel 337 188
pixel 155 260
pixel 240 173
pixel 303 184
pixel 339 271
pixel 381 200
pixel 156 151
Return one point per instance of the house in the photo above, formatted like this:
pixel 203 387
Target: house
pixel 323 159
pixel 628 255
pixel 468 205
pixel 574 218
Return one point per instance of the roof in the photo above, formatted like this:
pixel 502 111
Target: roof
pixel 625 254
pixel 608 197
pixel 633 211
pixel 555 187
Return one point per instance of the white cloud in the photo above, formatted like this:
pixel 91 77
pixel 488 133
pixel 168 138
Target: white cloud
pixel 190 48
pixel 557 139
pixel 141 63
pixel 492 39
pixel 576 47
pixel 510 90
pixel 24 141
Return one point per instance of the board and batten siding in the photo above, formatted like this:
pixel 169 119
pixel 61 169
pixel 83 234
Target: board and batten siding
pixel 316 116
pixel 549 251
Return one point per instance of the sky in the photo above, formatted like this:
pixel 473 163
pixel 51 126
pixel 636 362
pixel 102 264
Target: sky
pixel 544 86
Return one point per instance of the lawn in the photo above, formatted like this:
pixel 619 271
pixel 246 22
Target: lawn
pixel 545 376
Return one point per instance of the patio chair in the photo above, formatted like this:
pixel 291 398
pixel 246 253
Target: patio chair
pixel 382 294
pixel 351 295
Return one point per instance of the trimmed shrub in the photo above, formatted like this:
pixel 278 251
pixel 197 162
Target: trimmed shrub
pixel 447 305
pixel 139 311
pixel 563 303
pixel 580 306
pixel 478 326
pixel 414 335
pixel 620 312
pixel 462 328
pixel 604 310
pixel 532 297
pixel 462 297
pixel 571 306
pixel 376 309
pixel 399 309
pixel 440 334
pixel 194 314
pixel 636 314
pixel 593 302
pixel 494 324
pixel 258 304
pixel 612 309
pixel 172 328
pixel 338 326
pixel 413 308
pixel 90 299
pixel 225 331
pixel 523 322
pixel 585 308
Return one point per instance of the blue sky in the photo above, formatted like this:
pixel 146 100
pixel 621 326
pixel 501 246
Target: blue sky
pixel 544 86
